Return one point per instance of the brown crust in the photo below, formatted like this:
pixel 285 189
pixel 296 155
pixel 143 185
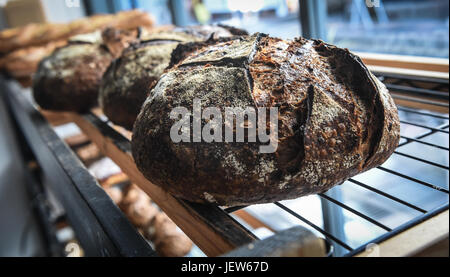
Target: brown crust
pixel 71 83
pixel 335 121
pixel 25 47
pixel 117 40
pixel 142 64
pixel 69 79
pixel 183 50
pixel 121 98
pixel 41 34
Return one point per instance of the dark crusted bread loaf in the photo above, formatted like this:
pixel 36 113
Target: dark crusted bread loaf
pixel 335 120
pixel 69 79
pixel 129 80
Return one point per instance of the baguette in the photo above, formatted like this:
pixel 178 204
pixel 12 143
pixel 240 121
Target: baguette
pixel 41 34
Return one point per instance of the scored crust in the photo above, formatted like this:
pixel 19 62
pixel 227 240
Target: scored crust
pixel 69 79
pixel 335 121
pixel 129 80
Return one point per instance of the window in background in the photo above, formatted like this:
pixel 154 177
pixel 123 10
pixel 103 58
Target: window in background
pixel 405 27
pixel 275 17
pixel 158 8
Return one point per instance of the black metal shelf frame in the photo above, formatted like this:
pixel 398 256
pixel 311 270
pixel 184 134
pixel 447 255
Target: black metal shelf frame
pixel 99 225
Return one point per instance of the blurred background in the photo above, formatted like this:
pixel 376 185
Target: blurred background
pixel 400 27
pixel 408 27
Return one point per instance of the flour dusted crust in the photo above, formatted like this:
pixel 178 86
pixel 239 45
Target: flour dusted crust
pixel 335 121
pixel 130 78
pixel 69 79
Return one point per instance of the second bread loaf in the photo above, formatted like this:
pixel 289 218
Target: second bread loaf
pixel 129 80
pixel 69 79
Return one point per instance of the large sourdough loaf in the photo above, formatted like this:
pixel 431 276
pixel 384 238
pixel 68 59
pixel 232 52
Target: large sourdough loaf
pixel 335 120
pixel 129 80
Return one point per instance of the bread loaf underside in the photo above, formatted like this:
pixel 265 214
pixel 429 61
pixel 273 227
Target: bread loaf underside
pixel 335 120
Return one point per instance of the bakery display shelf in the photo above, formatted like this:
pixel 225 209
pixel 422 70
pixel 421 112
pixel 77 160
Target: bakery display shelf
pixel 215 231
pixel 100 226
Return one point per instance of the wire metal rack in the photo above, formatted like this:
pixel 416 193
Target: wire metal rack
pixel 411 181
pixel 421 90
pixel 413 86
